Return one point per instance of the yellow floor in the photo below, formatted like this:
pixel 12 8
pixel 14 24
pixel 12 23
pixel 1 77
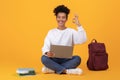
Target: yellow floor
pixel 8 72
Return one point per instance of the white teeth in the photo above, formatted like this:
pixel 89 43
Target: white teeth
pixel 60 22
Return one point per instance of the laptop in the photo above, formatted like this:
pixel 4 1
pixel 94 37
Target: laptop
pixel 62 51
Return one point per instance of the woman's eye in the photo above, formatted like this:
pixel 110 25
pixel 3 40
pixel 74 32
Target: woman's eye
pixel 63 17
pixel 59 17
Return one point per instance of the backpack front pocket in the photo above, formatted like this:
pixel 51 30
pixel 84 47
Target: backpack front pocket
pixel 100 61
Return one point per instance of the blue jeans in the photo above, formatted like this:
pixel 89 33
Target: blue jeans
pixel 61 64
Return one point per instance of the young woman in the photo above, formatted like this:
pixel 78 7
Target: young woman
pixel 62 35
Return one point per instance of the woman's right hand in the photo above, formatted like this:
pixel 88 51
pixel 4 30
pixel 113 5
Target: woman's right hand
pixel 50 54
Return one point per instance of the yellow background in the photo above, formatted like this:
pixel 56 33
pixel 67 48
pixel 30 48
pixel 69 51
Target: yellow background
pixel 25 23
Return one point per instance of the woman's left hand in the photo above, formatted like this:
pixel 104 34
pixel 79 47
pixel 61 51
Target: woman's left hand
pixel 76 21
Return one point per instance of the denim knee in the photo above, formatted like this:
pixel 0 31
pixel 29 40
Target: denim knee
pixel 44 59
pixel 78 59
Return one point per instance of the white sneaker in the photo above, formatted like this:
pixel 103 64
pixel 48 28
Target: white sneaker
pixel 47 70
pixel 74 71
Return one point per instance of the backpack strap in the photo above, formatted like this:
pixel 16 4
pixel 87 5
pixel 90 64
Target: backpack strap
pixel 94 40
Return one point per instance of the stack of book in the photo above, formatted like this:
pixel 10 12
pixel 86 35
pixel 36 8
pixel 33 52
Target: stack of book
pixel 25 71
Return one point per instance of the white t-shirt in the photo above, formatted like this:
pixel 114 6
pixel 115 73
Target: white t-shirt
pixel 66 37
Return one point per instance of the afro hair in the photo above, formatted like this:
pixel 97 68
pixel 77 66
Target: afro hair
pixel 61 8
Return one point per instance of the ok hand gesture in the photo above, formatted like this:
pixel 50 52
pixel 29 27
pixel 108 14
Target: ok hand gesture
pixel 76 21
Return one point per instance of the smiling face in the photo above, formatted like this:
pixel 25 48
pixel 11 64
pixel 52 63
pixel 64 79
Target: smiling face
pixel 61 19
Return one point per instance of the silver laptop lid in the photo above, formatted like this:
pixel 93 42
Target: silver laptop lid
pixel 62 51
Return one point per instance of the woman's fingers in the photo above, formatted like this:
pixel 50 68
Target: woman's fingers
pixel 75 20
pixel 50 54
pixel 76 16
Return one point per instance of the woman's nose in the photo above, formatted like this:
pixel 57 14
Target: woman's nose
pixel 61 18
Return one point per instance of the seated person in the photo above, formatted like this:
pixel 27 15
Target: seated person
pixel 65 36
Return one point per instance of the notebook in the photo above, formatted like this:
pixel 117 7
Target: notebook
pixel 25 71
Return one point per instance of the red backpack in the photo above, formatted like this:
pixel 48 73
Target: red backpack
pixel 98 58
